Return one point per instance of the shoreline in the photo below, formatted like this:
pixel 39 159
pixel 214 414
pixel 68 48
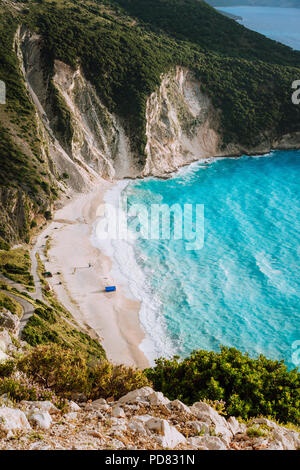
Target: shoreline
pixel 112 318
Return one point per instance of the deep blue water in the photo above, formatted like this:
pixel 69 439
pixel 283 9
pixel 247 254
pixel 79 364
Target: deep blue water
pixel 280 24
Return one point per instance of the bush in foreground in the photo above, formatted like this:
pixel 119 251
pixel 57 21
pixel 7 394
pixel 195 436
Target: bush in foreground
pixel 66 372
pixel 249 387
pixel 61 369
pixel 109 380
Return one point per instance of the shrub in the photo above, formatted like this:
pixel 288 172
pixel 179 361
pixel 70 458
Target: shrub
pixel 249 387
pixel 108 380
pixel 4 245
pixel 19 387
pixel 7 368
pixel 68 372
pixel 47 314
pixel 256 431
pixel 58 368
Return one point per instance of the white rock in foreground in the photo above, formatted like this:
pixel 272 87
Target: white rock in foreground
pixel 209 415
pixel 12 421
pixel 178 405
pixel 168 436
pixel 117 412
pixel 142 394
pixel 73 407
pixel 235 427
pixel 99 404
pixel 44 406
pixel 40 419
pixel 208 442
pixel 157 398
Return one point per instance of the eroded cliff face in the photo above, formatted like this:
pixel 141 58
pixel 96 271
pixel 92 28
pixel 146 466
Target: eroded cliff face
pixel 99 139
pixel 182 125
pixel 91 144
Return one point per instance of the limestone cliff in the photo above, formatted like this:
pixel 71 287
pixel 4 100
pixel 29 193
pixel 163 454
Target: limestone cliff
pixel 181 124
pixel 94 144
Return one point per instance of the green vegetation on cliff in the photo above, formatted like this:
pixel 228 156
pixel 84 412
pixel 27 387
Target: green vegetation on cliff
pixel 25 184
pixel 249 387
pixel 16 265
pixel 53 369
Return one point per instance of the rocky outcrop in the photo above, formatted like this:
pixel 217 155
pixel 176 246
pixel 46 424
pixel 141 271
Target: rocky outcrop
pixel 12 421
pixel 142 419
pixel 8 320
pixel 90 142
pixel 183 127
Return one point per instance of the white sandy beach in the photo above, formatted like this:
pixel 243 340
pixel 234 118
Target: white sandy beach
pixel 111 317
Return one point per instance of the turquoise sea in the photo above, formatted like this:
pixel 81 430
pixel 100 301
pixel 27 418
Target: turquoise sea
pixel 242 288
pixel 280 24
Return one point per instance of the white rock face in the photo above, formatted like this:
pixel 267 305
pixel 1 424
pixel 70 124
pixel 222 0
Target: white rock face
pixel 99 146
pixel 234 426
pixel 40 419
pixel 199 427
pixel 168 436
pixel 9 321
pixel 209 442
pixel 210 416
pixel 12 421
pixel 117 412
pixel 178 405
pixel 137 426
pixel 136 396
pixel 44 406
pixel 288 439
pixel 157 398
pixel 181 124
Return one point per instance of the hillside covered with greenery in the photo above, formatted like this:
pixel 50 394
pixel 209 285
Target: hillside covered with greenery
pixel 123 47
